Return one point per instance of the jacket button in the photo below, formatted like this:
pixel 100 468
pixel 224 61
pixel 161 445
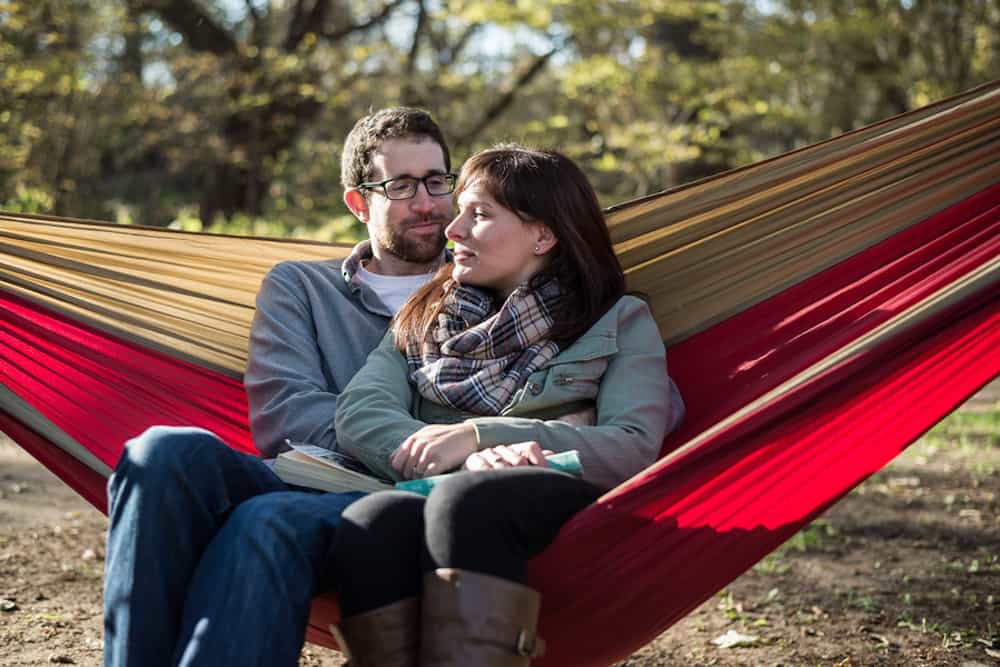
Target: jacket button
pixel 535 388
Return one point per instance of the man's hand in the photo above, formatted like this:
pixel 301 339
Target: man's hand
pixel 508 456
pixel 434 449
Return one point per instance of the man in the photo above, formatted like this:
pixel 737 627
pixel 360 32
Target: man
pixel 211 559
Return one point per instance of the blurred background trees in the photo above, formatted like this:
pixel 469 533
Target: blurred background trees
pixel 229 114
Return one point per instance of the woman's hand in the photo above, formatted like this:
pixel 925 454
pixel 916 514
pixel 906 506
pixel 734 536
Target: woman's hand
pixel 434 449
pixel 508 456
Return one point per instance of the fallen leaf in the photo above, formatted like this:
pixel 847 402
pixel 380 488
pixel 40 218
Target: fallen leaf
pixel 733 639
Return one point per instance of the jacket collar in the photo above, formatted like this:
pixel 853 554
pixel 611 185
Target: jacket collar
pixel 352 265
pixel 349 269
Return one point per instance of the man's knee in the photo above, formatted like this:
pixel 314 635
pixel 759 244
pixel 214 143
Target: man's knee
pixel 163 446
pixel 166 455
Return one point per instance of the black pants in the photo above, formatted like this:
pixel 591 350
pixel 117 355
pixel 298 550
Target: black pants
pixel 491 522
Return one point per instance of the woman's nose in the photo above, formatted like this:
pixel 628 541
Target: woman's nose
pixel 455 229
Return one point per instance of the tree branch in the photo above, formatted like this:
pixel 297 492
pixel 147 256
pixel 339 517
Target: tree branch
pixel 187 17
pixel 257 23
pixel 455 49
pixel 252 11
pixel 502 103
pixel 411 61
pixel 303 22
pixel 409 95
pixel 340 33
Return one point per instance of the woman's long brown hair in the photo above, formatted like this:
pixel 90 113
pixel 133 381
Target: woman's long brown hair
pixel 541 186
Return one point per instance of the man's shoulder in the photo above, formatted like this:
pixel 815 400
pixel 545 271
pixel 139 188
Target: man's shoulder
pixel 299 275
pixel 318 287
pixel 300 267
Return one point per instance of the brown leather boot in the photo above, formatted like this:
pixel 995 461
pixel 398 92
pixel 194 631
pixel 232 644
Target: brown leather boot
pixel 385 637
pixel 477 619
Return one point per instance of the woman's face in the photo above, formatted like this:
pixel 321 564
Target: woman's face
pixel 494 249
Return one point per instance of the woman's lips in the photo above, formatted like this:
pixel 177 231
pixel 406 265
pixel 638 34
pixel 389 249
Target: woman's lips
pixel 463 256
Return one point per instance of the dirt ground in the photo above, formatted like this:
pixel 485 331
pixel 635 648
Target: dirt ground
pixel 904 571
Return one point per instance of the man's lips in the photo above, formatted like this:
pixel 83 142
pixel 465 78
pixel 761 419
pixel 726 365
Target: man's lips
pixel 425 226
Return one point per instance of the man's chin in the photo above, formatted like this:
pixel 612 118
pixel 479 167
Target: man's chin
pixel 421 253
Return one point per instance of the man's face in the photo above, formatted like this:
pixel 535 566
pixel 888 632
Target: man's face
pixel 410 229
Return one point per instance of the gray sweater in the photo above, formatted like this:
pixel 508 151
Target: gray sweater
pixel 314 326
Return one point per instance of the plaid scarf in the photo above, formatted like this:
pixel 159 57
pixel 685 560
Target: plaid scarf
pixel 474 359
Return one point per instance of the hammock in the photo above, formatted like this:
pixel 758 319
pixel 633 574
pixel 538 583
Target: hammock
pixel 823 309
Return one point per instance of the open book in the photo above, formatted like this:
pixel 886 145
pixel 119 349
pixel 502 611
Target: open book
pixel 319 468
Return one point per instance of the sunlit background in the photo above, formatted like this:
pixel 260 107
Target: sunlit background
pixel 228 115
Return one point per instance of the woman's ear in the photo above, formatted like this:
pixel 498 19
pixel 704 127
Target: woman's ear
pixel 545 240
pixel 358 204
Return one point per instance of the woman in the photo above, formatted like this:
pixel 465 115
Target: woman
pixel 526 345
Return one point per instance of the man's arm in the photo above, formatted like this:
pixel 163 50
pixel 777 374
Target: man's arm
pixel 288 392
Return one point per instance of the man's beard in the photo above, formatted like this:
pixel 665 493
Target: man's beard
pixel 417 251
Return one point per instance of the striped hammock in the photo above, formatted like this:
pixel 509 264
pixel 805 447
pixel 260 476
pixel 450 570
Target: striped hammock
pixel 823 309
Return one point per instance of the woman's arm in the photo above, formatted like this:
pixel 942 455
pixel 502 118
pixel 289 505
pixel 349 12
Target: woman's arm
pixel 637 404
pixel 373 412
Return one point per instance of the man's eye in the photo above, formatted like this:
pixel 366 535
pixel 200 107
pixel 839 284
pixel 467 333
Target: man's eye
pixel 437 181
pixel 399 186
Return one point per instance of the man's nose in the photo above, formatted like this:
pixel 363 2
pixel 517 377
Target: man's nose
pixel 422 199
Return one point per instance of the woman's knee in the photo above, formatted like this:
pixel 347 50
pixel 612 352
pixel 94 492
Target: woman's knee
pixel 466 502
pixel 504 500
pixel 388 519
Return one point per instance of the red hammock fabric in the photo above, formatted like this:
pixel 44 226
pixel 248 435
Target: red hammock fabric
pixel 653 549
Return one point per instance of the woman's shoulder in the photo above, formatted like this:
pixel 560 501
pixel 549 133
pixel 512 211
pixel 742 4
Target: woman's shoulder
pixel 629 303
pixel 628 317
pixel 627 307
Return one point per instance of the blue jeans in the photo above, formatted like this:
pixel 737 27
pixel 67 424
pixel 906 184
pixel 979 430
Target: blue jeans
pixel 211 559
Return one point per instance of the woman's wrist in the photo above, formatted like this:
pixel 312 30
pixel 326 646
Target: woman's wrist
pixel 475 435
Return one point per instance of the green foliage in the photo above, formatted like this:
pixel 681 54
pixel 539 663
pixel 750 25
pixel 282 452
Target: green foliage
pixel 341 228
pixel 28 200
pixel 232 114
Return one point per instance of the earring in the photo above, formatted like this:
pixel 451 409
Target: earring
pixel 537 249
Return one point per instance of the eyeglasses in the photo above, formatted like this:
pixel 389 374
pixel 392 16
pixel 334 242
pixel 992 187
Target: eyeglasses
pixel 405 187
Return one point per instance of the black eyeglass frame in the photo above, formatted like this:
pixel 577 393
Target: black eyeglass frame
pixel 451 179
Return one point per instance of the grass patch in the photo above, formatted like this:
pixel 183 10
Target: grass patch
pixel 814 537
pixel 969 428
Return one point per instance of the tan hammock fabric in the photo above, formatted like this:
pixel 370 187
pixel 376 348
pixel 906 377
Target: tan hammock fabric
pixel 701 252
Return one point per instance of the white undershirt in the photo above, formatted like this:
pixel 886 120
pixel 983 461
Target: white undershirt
pixel 393 290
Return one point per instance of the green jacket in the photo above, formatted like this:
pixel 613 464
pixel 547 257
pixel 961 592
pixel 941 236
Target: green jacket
pixel 618 368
